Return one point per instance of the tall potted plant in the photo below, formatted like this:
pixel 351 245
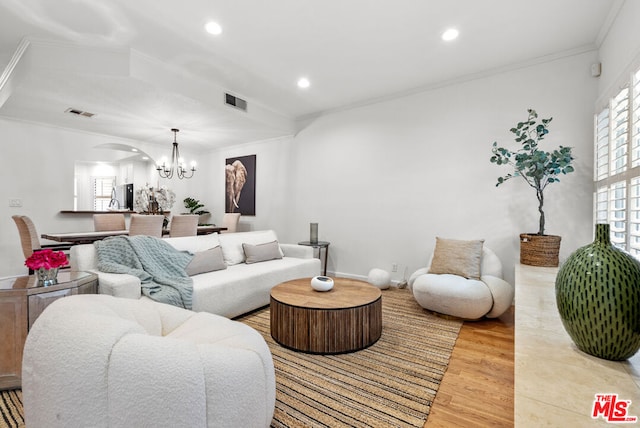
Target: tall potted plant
pixel 538 168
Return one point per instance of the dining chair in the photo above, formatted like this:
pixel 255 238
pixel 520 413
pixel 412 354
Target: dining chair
pixel 150 225
pixel 29 238
pixel 184 225
pixel 230 221
pixel 106 222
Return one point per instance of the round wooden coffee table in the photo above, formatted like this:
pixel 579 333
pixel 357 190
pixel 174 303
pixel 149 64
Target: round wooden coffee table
pixel 346 318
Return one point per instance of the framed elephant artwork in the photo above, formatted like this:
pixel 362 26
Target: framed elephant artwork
pixel 240 184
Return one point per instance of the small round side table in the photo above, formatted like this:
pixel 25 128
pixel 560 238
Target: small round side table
pixel 319 245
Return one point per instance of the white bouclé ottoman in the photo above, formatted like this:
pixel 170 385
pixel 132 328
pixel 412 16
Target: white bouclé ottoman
pixel 380 278
pixel 103 361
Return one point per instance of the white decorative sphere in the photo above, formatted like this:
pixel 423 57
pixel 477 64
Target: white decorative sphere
pixel 380 278
pixel 321 283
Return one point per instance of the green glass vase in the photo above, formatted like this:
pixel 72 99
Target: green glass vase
pixel 598 297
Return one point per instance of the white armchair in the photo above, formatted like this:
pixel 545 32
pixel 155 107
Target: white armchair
pixel 468 298
pixel 101 361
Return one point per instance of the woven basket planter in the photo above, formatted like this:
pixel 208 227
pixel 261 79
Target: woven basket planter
pixel 539 250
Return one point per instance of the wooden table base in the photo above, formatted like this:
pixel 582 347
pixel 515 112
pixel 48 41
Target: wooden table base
pixel 345 319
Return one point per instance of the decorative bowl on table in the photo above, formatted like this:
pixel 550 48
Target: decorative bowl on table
pixel 321 283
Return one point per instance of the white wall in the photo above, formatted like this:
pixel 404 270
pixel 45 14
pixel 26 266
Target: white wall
pixel 620 51
pixel 274 206
pixel 381 180
pixel 38 168
pixel 384 180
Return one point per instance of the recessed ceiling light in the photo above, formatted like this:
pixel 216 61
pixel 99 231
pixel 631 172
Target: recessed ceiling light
pixel 450 34
pixel 303 82
pixel 213 28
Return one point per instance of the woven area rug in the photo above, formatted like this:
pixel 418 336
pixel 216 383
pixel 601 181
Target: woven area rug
pixel 390 384
pixel 11 409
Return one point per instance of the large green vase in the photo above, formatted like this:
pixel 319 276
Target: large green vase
pixel 598 297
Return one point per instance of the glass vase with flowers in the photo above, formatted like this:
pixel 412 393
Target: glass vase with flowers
pixel 46 263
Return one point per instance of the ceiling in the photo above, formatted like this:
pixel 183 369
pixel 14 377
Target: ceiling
pixel 146 66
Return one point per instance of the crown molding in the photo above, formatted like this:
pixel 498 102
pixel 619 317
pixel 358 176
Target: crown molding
pixel 302 121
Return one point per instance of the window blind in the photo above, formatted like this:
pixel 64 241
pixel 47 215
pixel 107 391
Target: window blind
pixel 102 192
pixel 617 166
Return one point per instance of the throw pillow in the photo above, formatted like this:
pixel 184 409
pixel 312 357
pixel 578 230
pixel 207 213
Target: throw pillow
pixel 194 244
pixel 231 244
pixel 206 261
pixel 457 257
pixel 261 252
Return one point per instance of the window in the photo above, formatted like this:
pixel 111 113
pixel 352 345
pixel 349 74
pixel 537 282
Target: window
pixel 634 217
pixel 102 192
pixel 602 145
pixel 617 166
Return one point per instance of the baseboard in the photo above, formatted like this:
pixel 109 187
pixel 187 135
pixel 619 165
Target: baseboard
pixel 394 282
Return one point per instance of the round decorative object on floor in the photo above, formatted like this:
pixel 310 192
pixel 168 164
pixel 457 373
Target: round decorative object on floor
pixel 380 278
pixel 598 297
pixel 321 283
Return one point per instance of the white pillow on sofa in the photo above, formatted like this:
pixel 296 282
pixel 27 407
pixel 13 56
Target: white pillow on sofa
pixel 231 244
pixel 194 244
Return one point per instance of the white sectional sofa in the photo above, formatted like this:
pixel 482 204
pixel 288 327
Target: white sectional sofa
pixel 237 289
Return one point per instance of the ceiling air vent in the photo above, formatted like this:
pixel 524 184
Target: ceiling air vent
pixel 236 102
pixel 79 112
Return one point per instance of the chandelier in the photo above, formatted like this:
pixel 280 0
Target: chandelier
pixel 177 163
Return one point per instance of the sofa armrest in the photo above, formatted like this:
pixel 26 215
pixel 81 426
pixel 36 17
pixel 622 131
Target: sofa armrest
pixel 298 251
pixel 84 257
pixel 119 285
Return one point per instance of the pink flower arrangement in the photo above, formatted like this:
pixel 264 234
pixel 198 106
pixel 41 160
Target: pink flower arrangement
pixel 46 259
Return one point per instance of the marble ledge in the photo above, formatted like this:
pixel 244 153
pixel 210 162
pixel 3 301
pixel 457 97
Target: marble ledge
pixel 555 382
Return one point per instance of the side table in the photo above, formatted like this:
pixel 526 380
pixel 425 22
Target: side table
pixel 22 300
pixel 319 245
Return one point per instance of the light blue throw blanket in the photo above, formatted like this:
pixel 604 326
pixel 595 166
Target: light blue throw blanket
pixel 160 267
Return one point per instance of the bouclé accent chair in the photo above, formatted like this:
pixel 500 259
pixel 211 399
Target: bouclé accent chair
pixel 102 361
pixel 463 280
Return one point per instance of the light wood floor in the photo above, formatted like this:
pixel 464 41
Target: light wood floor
pixel 477 388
